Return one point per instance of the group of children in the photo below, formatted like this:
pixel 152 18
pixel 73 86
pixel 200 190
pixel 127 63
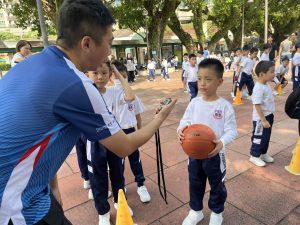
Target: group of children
pixel 207 108
pixel 95 161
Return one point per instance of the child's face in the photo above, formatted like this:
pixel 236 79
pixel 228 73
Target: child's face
pixel 193 61
pixel 269 75
pixel 186 58
pixel 253 55
pixel 101 76
pixel 238 52
pixel 285 63
pixel 246 52
pixel 267 50
pixel 208 82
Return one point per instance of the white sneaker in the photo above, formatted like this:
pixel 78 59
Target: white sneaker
pixel 232 94
pixel 148 81
pixel 275 93
pixel 91 196
pixel 249 98
pixel 104 219
pixel 216 219
pixel 193 218
pixel 130 210
pixel 86 184
pixel 169 79
pixel 257 161
pixel 154 80
pixel 144 194
pixel 266 158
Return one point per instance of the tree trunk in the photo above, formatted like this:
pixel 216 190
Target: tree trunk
pixel 158 19
pixel 198 25
pixel 216 38
pixel 185 38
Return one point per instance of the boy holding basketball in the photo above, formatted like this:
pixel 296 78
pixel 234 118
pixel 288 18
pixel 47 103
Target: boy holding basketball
pixel 217 113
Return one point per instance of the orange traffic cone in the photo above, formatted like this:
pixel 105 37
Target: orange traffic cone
pixel 279 89
pixel 123 213
pixel 238 99
pixel 294 167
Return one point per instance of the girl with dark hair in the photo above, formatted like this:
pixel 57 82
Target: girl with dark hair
pixel 23 51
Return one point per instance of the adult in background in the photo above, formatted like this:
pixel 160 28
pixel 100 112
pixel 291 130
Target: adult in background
pixel 23 49
pixel 130 68
pixel 273 51
pixel 285 48
pixel 42 120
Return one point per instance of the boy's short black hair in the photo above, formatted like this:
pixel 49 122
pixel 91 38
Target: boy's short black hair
pixel 214 64
pixel 246 47
pixel 254 49
pixel 192 56
pixel 200 52
pixel 266 46
pixel 285 58
pixel 297 45
pixel 185 54
pixel 79 18
pixel 120 66
pixel 237 49
pixel 263 67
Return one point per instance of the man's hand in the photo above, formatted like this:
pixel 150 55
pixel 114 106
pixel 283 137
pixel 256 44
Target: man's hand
pixel 217 149
pixel 165 110
pixel 265 124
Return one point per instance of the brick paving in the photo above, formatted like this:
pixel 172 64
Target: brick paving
pixel 256 196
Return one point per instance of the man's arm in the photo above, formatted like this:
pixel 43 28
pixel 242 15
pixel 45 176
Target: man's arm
pixel 123 145
pixel 139 121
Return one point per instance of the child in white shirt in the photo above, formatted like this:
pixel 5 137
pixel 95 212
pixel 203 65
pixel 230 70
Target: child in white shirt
pixel 263 109
pixel 265 55
pixel 151 70
pixel 129 116
pixel 280 72
pixel 191 77
pixel 217 113
pixel 296 67
pixel 185 64
pixel 164 68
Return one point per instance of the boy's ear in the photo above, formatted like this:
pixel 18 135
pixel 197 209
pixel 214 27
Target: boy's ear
pixel 220 81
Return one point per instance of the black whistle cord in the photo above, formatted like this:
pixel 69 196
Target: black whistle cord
pixel 160 167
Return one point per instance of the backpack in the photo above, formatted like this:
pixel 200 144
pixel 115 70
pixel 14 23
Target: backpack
pixel 292 104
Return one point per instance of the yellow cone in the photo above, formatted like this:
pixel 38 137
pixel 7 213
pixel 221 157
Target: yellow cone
pixel 294 166
pixel 238 99
pixel 279 89
pixel 123 213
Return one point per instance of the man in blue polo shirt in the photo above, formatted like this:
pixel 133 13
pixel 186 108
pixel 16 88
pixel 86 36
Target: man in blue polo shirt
pixel 46 101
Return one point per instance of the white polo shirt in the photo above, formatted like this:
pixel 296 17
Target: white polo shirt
pixel 191 73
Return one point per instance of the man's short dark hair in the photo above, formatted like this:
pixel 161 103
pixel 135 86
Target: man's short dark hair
pixel 200 52
pixel 214 64
pixel 120 66
pixel 192 56
pixel 254 49
pixel 79 18
pixel 266 46
pixel 246 47
pixel 263 67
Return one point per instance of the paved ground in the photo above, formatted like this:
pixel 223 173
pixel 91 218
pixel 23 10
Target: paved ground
pixel 256 196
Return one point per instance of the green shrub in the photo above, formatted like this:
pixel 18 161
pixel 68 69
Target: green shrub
pixel 4 66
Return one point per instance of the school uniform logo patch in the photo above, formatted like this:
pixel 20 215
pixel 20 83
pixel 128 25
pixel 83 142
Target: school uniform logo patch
pixel 218 114
pixel 130 107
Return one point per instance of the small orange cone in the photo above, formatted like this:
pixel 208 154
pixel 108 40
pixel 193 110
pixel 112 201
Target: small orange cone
pixel 294 167
pixel 238 99
pixel 279 89
pixel 123 213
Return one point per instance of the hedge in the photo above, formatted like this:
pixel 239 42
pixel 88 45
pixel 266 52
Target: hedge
pixel 4 66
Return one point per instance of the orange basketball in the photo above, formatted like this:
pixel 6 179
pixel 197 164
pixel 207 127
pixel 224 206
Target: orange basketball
pixel 198 141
